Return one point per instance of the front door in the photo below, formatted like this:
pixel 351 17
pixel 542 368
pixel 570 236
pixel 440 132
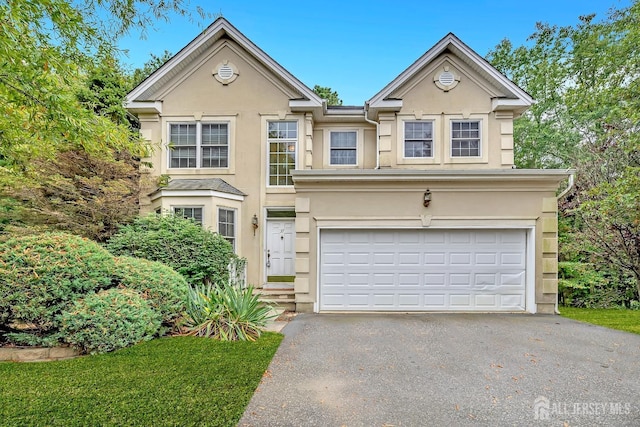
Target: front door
pixel 281 252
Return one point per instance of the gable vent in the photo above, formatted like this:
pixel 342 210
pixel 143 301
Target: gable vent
pixel 225 72
pixel 446 78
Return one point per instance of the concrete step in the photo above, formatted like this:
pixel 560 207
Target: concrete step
pixel 280 298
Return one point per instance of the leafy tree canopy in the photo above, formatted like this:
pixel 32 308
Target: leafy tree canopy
pixel 327 93
pixel 586 79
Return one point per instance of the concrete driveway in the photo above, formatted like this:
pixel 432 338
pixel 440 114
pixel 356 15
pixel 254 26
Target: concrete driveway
pixel 448 369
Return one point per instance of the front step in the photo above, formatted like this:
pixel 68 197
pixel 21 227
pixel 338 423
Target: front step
pixel 284 298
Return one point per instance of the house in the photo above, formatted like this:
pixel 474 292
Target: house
pixel 410 202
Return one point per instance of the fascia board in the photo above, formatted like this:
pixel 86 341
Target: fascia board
pixel 302 176
pixel 466 54
pixel 221 24
pixel 194 193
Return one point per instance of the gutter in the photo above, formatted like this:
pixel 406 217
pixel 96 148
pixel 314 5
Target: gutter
pixel 366 111
pixel 571 173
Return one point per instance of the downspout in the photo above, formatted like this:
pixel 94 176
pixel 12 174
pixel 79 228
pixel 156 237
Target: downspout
pixel 366 111
pixel 561 195
pixel 569 186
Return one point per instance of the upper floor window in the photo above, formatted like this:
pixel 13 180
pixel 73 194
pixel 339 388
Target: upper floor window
pixel 227 225
pixel 343 148
pixel 282 137
pixel 189 212
pixel 199 145
pixel 465 138
pixel 418 139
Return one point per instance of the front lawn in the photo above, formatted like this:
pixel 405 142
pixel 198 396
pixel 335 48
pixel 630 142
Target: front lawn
pixel 180 381
pixel 624 320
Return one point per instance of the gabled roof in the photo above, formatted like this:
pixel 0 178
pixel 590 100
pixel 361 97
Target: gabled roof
pixel 141 97
pixel 516 98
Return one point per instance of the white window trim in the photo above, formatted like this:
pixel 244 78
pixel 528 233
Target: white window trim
pixel 436 148
pixel 265 150
pixel 326 142
pixel 433 139
pixel 357 148
pixel 230 121
pixel 235 225
pixel 484 133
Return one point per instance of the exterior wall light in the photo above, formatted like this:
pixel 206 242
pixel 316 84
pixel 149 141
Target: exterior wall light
pixel 254 222
pixel 427 198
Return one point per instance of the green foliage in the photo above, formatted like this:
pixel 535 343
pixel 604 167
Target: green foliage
pixel 162 287
pixel 192 251
pixel 51 289
pixel 41 276
pixel 325 92
pixel 227 313
pixel 586 79
pixel 207 382
pixel 61 90
pixel 155 62
pixel 76 192
pixel 109 320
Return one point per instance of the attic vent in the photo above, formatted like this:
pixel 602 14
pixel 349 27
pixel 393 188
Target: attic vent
pixel 226 72
pixel 446 78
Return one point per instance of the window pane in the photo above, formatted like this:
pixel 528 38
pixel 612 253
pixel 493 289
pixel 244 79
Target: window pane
pixel 215 134
pixel 282 136
pixel 189 213
pixel 418 139
pixel 465 138
pixel 227 225
pixel 183 134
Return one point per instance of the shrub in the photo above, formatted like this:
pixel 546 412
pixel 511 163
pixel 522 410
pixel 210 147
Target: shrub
pixel 109 320
pixel 227 313
pixel 165 290
pixel 41 276
pixel 199 255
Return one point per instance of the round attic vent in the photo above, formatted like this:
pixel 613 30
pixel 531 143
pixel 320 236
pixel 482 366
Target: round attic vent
pixel 446 78
pixel 225 72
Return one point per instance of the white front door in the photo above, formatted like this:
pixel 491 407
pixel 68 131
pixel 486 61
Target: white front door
pixel 281 252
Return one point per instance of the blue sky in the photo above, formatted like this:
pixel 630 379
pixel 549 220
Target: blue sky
pixel 357 47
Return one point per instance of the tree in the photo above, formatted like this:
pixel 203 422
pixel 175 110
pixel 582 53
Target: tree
pixel 61 90
pixel 155 62
pixel 327 93
pixel 586 79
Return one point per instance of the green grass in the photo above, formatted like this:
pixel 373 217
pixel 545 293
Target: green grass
pixel 182 381
pixel 624 320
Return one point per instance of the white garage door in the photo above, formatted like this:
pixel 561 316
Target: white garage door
pixel 421 270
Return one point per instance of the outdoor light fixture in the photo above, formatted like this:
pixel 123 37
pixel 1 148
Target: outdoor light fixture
pixel 427 198
pixel 254 222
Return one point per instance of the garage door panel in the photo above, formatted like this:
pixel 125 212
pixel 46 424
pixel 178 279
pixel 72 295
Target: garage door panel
pixel 415 270
pixel 435 258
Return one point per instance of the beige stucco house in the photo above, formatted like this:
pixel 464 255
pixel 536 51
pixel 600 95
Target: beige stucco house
pixel 408 203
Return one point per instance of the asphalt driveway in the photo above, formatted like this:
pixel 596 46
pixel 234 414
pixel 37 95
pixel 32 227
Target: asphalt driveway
pixel 448 369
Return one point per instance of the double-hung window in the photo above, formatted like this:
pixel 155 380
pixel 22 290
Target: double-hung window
pixel 282 137
pixel 418 139
pixel 199 145
pixel 189 212
pixel 343 148
pixel 465 138
pixel 215 145
pixel 227 225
